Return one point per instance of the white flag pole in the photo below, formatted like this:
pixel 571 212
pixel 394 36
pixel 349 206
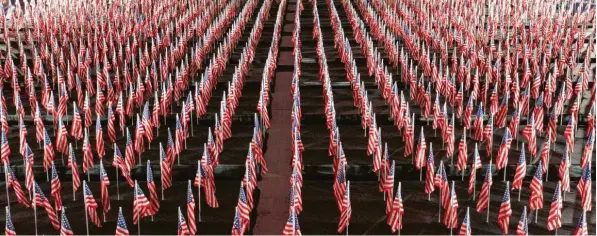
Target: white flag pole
pixel 34 207
pixel 199 189
pixel 6 183
pixel 117 185
pixel 161 170
pixel 85 207
pixel 489 191
pixel 138 216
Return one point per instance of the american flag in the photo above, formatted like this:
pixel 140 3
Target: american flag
pixel 147 123
pixel 505 210
pixel 462 152
pixel 237 227
pixel 478 124
pixel 99 139
pixel 476 165
pixel 483 201
pixel 42 201
pixel 28 160
pixel 396 212
pixel 153 196
pixel 191 210
pixel 441 181
pixel 451 213
pixel 346 210
pixel 514 121
pixel 56 188
pixel 76 127
pixel 488 136
pixel 139 134
pixel 165 172
pixel 569 134
pixel 16 186
pixel 523 225
pixel 61 137
pixel 111 119
pixel 581 225
pixel 429 180
pixel 339 185
pixel 584 188
pixel 72 163
pixel 538 114
pixel 121 228
pixel 129 151
pixel 564 172
pixel 588 150
pixel 521 170
pixel 420 153
pixel 9 228
pixel 292 226
pixel 465 228
pixel 87 154
pixel 104 183
pixel 207 180
pixel 529 134
pixel 141 205
pixel 502 157
pixel 22 137
pixel 243 208
pixel 5 148
pixel 536 199
pixel 182 224
pixel 65 229
pixel 91 205
pixel 48 149
pixel 554 220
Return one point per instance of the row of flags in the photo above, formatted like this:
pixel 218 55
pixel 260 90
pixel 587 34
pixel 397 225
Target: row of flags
pixel 148 206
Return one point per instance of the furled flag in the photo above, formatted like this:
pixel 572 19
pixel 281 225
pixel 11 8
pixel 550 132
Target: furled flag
pixel 129 151
pixel 451 213
pixel 420 152
pixel 243 208
pixel 76 127
pixel 395 215
pixel 99 139
pixel 523 226
pixel 42 201
pixel 554 220
pixel 521 170
pixel 56 191
pixel 465 228
pixel 120 163
pixel 584 188
pixel 502 156
pixel 581 225
pixel 529 134
pixel 104 183
pixel 588 150
pixel 564 172
pixel 441 181
pixel 191 210
pixel 569 134
pixel 165 171
pixel 141 205
pixel 5 148
pixel 65 229
pixel 87 153
pixel 72 163
pixel 483 203
pixel 476 165
pixel 505 210
pixel 536 199
pixel 91 205
pixel 121 228
pixel 292 226
pixel 182 224
pixel 16 186
pixel 462 153
pixel 153 196
pixel 28 161
pixel 9 228
pixel 237 227
pixel 429 180
pixel 346 210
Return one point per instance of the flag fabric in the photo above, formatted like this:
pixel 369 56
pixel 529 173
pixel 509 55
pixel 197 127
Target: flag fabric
pixel 99 139
pixel 292 226
pixel 346 211
pixel 536 199
pixel 588 150
pixel 42 201
pixel 237 227
pixel 5 148
pixel 9 228
pixel 462 153
pixel 441 181
pixel 420 152
pixel 505 211
pixel 476 165
pixel 141 205
pixel 451 213
pixel 165 171
pixel 429 179
pixel 104 183
pixel 397 212
pixel 183 229
pixel 91 205
pixel 65 229
pixel 72 163
pixel 121 228
pixel 521 170
pixel 153 195
pixel 502 156
pixel 483 200
pixel 56 188
pixel 48 149
pixel 16 186
pixel 584 188
pixel 523 225
pixel 554 220
pixel 191 210
pixel 581 225
pixel 465 228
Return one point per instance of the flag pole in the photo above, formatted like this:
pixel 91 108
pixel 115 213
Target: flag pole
pixel 85 207
pixel 439 210
pixel 462 174
pixel 536 215
pixel 199 191
pixel 451 204
pixel 6 182
pixel 547 164
pixel 489 191
pixel 117 185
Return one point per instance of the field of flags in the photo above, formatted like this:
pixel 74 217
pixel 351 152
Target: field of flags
pixel 487 108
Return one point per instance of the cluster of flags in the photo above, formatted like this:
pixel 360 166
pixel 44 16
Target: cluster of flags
pixel 135 53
